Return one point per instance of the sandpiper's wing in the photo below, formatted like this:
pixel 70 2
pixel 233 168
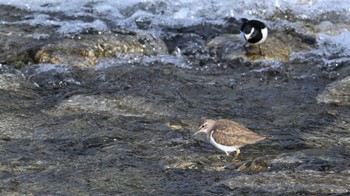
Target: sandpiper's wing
pixel 233 134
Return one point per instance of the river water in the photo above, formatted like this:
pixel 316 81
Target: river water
pixel 102 97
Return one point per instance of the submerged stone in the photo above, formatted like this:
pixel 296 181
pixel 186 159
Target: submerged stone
pixel 26 44
pixel 307 182
pixel 87 50
pixel 337 92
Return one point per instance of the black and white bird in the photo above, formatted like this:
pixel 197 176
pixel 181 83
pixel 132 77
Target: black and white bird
pixel 253 32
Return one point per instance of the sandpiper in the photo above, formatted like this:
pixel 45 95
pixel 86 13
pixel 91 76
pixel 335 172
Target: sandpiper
pixel 253 32
pixel 228 135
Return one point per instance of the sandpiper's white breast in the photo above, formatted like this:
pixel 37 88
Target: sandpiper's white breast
pixel 222 147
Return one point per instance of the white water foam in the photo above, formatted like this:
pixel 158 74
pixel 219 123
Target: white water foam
pixel 182 12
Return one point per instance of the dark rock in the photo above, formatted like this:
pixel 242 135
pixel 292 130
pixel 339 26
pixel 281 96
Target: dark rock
pixel 337 92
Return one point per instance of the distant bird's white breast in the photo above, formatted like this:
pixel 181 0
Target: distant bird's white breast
pixel 264 33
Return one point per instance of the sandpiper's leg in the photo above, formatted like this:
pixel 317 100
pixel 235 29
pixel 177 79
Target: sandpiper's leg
pixel 227 153
pixel 238 151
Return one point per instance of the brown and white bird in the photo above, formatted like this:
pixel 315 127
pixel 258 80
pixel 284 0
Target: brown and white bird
pixel 228 135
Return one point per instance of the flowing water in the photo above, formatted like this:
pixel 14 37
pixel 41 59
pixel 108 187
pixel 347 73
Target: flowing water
pixel 117 117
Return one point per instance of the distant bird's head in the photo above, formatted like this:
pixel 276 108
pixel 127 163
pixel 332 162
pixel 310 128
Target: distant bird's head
pixel 247 29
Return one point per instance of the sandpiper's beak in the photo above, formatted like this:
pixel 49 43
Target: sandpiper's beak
pixel 199 131
pixel 196 133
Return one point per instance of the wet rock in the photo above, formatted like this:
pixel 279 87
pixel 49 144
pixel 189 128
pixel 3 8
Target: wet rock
pixel 25 44
pixel 182 165
pixel 10 81
pixel 254 165
pixel 156 8
pixel 192 41
pixel 88 49
pixel 11 13
pixel 83 52
pixel 315 165
pixel 219 189
pixel 337 92
pixel 222 42
pixel 126 106
pixel 19 44
pixel 308 182
pixel 279 46
pixel 311 160
pixel 206 31
pixel 189 45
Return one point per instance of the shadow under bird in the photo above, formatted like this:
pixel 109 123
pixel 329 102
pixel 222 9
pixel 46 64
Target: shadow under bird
pixel 228 135
pixel 253 32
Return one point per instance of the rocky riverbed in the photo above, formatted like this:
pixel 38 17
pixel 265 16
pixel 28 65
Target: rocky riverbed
pixel 93 104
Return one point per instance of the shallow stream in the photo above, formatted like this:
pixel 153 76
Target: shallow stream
pixel 103 99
